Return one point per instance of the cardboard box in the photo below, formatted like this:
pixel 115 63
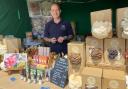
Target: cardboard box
pixel 91 76
pixel 117 44
pixel 76 48
pixel 91 44
pixel 13 44
pixel 113 79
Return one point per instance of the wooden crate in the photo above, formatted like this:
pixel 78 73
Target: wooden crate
pixel 119 16
pixel 76 47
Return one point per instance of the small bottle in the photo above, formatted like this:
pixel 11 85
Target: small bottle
pixel 22 74
pixel 43 76
pixel 35 80
pixel 29 78
pixel 40 79
pixel 47 76
pixel 25 77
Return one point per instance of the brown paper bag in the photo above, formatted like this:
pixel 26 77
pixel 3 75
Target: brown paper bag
pixel 13 44
pixel 102 15
pixel 113 79
pixel 91 77
pixel 92 44
pixel 117 61
pixel 126 60
pixel 76 48
pixel 119 16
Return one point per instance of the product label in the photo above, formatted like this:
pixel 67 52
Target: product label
pixel 114 43
pixel 91 80
pixel 94 42
pixel 114 84
pixel 75 49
